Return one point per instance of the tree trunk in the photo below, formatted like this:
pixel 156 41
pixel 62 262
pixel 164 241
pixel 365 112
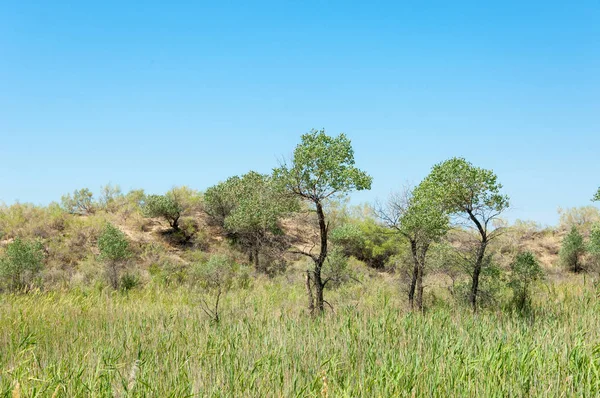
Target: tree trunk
pixel 257 260
pixel 415 273
pixel 175 224
pixel 419 289
pixel 319 261
pixel 309 292
pixel 477 272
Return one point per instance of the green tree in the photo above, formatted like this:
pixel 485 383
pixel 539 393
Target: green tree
pixel 21 263
pixel 250 209
pixel 470 194
pixel 81 202
pixel 164 206
pixel 177 207
pixel 596 197
pixel 322 168
pixel 525 271
pixel 366 240
pixel 215 277
pixel 418 217
pixel 572 250
pixel 111 198
pixel 114 250
pixel 593 247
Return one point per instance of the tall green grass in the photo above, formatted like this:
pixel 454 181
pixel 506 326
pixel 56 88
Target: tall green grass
pixel 155 342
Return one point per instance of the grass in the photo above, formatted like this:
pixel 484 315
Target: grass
pixel 156 342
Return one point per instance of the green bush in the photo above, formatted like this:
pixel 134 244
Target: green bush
pixel 572 251
pixel 81 202
pixel 525 271
pixel 21 263
pixel 114 250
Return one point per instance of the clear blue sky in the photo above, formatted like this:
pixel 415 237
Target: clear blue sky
pixel 155 94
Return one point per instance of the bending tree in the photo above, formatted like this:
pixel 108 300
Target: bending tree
pixel 419 218
pixel 250 209
pixel 472 195
pixel 322 168
pixel 177 207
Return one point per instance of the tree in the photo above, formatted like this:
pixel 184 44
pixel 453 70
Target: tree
pixel 525 270
pixel 593 247
pixel 472 195
pixel 21 263
pixel 164 206
pixel 366 240
pixel 250 209
pixel 421 220
pixel 596 197
pixel 114 250
pixel 572 251
pixel 322 168
pixel 215 277
pixel 176 207
pixel 111 198
pixel 81 202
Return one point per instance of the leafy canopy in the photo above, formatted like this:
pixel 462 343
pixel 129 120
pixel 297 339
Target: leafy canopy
pixel 596 197
pixel 461 187
pixel 322 166
pixel 573 248
pixel 113 244
pixel 164 206
pixel 81 202
pixel 424 218
pixel 252 203
pixel 20 262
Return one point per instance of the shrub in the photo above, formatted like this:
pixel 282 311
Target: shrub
pixel 81 202
pixel 21 263
pixel 114 250
pixel 581 217
pixel 572 251
pixel 525 271
pixel 215 277
pixel 593 247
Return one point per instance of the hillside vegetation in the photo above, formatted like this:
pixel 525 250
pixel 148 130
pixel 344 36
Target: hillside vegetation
pixel 274 285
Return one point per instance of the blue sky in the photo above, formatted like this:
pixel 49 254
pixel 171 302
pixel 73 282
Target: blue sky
pixel 156 94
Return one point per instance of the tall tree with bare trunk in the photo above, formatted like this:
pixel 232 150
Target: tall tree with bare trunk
pixel 421 220
pixel 322 167
pixel 473 197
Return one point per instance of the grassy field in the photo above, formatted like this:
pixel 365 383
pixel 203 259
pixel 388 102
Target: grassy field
pixel 156 342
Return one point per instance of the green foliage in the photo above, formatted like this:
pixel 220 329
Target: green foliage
pixel 250 209
pixel 114 249
pixel 593 247
pixel 249 204
pixel 596 197
pixel 424 218
pixel 216 274
pixel 322 167
pixel 113 244
pixel 21 263
pixel 572 251
pixel 164 206
pixel 216 277
pixel 177 207
pixel 111 198
pixel 463 188
pixel 81 202
pixel 367 241
pixel 129 281
pixel 525 271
